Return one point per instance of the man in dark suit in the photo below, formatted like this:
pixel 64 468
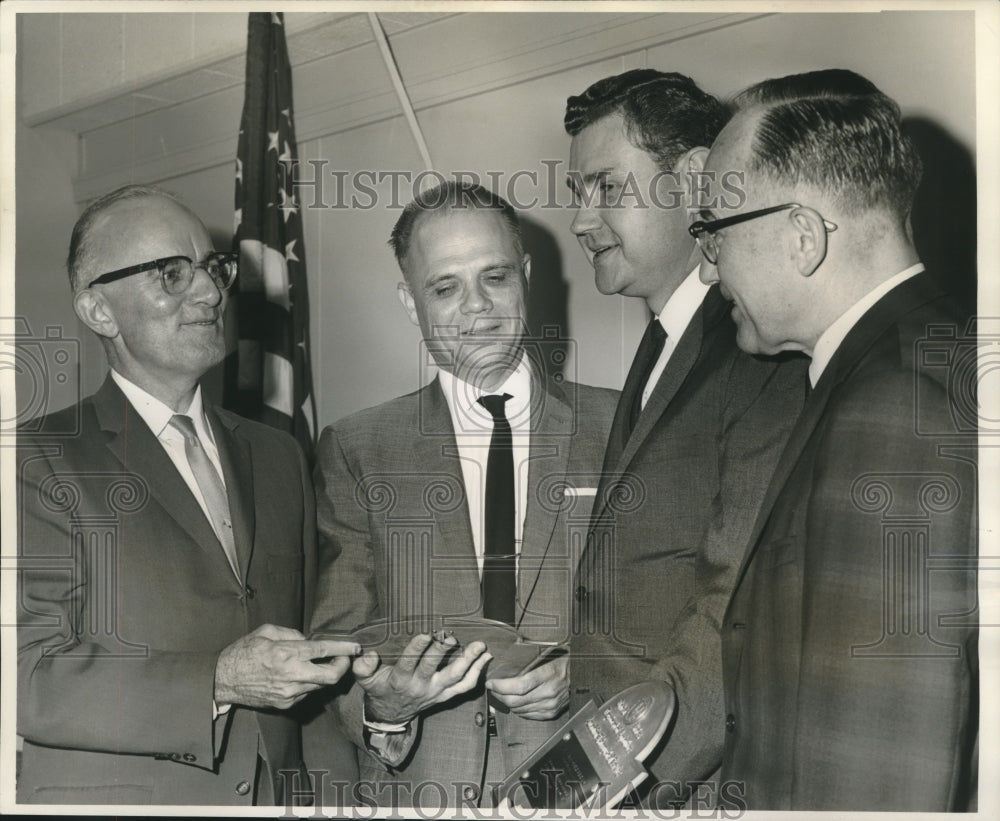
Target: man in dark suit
pixel 405 502
pixel 698 428
pixel 850 651
pixel 165 546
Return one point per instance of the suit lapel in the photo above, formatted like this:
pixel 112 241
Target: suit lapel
pixel 436 451
pixel 551 426
pixel 682 361
pixel 140 452
pixel 237 468
pixel 906 297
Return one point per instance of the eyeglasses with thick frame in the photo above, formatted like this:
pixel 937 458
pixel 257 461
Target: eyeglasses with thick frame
pixel 177 273
pixel 704 231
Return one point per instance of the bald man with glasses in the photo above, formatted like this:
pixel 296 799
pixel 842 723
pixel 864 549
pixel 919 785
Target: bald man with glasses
pixel 165 546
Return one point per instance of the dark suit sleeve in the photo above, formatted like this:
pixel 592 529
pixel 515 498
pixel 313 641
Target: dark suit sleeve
pixel 886 695
pixel 764 400
pixel 79 685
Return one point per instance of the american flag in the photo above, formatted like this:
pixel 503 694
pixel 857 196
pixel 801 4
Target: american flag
pixel 269 377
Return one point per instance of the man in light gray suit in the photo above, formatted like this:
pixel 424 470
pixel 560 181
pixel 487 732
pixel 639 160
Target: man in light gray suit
pixel 406 513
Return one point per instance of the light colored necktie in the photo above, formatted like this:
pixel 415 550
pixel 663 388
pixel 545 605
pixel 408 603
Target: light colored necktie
pixel 212 489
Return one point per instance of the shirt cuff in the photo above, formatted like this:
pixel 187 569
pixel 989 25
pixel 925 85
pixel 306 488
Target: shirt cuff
pixel 219 711
pixel 382 726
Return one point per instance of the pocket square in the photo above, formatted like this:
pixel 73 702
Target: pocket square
pixel 579 491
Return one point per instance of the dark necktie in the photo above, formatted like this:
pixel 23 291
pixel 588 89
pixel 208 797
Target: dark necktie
pixel 210 483
pixel 499 574
pixel 649 351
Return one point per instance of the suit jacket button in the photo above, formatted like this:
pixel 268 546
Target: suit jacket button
pixel 243 788
pixel 480 719
pixel 730 723
pixel 250 592
pixel 470 793
pixel 581 593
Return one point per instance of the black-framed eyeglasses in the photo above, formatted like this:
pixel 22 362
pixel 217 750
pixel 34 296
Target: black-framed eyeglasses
pixel 177 273
pixel 704 231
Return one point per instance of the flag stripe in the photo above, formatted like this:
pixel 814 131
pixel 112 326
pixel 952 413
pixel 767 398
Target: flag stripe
pixel 269 375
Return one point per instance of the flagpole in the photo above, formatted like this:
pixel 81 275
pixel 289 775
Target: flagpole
pixel 397 83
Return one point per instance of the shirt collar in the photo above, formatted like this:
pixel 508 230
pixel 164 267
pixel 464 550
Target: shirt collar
pixel 830 339
pixel 156 414
pixel 682 305
pixel 468 414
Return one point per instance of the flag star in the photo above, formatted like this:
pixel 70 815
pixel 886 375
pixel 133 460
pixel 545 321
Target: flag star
pixel 288 205
pixel 272 137
pixel 276 18
pixel 239 169
pixel 237 219
pixel 288 114
pixel 287 155
pixel 290 252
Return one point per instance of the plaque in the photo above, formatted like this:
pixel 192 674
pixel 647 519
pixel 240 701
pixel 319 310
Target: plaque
pixel 597 757
pixel 512 653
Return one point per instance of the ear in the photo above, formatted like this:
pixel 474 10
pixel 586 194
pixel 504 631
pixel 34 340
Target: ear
pixel 809 237
pixel 689 169
pixel 694 159
pixel 526 267
pixel 95 312
pixel 406 300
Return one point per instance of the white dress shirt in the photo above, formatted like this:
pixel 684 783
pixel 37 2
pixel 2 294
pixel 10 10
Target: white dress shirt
pixel 675 317
pixel 473 426
pixel 157 416
pixel 830 339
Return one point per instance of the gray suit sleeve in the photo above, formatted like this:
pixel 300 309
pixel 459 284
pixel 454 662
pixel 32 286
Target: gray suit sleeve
pixel 346 593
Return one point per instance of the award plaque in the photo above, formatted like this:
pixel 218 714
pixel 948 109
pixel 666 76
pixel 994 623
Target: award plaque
pixel 597 757
pixel 512 653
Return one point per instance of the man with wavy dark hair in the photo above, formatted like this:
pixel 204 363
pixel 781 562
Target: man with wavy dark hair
pixel 697 431
pixel 850 644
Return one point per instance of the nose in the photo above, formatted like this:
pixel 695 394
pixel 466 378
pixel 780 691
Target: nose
pixel 476 300
pixel 203 288
pixel 584 221
pixel 707 272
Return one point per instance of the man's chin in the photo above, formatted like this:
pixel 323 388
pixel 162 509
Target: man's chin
pixel 747 338
pixel 489 366
pixel 607 284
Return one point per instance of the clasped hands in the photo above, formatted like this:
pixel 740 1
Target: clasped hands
pixel 398 693
pixel 273 667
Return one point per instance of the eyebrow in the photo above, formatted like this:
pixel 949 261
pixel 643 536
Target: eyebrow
pixel 498 266
pixel 593 176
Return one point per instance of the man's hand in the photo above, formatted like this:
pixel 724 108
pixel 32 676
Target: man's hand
pixel 273 667
pixel 539 694
pixel 398 693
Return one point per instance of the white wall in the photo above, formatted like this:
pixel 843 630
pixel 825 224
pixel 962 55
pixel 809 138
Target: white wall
pixel 364 350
